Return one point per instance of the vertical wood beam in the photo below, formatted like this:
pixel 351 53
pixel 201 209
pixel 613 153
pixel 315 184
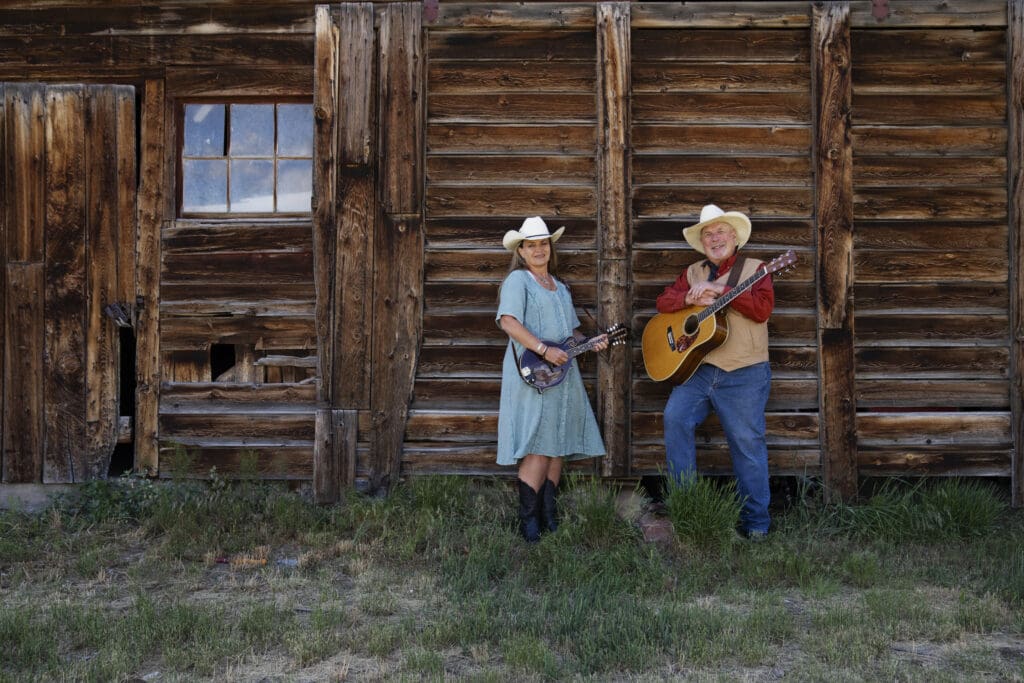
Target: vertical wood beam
pixel 326 477
pixel 344 215
pixel 401 97
pixel 127 233
pixel 24 112
pixel 151 201
pixel 102 339
pixel 65 291
pixel 832 86
pixel 398 238
pixel 325 78
pixel 1015 162
pixel 4 194
pixel 334 453
pixel 24 206
pixel 614 372
pixel 356 213
pixel 23 374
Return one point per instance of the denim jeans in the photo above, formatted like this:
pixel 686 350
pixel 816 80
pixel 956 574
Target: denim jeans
pixel 739 399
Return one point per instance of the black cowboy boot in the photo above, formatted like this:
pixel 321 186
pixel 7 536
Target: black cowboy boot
pixel 529 504
pixel 548 506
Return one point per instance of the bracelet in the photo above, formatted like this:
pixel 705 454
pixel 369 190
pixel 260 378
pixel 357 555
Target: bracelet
pixel 540 345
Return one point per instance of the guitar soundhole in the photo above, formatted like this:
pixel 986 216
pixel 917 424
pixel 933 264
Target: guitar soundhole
pixel 690 326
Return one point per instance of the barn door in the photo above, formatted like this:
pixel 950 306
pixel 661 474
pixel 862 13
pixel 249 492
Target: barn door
pixel 67 249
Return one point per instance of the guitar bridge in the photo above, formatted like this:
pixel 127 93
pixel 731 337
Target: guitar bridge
pixel 671 339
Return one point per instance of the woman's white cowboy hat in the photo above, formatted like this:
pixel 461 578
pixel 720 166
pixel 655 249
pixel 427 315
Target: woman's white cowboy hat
pixel 712 214
pixel 533 228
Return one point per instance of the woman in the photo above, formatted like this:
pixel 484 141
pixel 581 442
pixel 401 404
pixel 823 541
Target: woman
pixel 538 430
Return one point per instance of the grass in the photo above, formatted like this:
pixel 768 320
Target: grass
pixel 242 581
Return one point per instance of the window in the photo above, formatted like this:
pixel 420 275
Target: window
pixel 246 158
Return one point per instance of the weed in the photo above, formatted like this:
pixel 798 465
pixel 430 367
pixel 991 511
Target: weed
pixel 529 653
pixel 704 513
pixel 950 509
pixel 424 663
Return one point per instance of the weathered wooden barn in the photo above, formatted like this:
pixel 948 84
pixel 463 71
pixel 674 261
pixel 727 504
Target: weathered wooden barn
pixel 265 236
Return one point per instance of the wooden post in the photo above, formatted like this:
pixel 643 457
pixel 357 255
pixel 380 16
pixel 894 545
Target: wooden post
pixel 147 282
pixel 343 219
pixel 832 85
pixel 398 239
pixel 23 160
pixel 325 77
pixel 353 249
pixel 65 290
pixel 23 375
pixel 1015 206
pixel 326 477
pixel 25 156
pixel 614 373
pixel 4 192
pixel 102 339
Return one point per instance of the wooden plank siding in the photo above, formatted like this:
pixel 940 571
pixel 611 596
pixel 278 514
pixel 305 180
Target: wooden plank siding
pixel 240 291
pixel 928 363
pixel 358 344
pixel 722 114
pixel 512 131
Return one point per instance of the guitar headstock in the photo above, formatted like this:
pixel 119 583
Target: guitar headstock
pixel 781 264
pixel 617 334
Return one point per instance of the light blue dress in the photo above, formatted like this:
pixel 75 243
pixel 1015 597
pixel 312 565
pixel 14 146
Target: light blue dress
pixel 560 421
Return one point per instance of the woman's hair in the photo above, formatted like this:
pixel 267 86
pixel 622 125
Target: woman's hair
pixel 517 261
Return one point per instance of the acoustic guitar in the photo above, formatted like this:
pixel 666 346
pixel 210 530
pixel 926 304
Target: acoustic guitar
pixel 675 344
pixel 541 375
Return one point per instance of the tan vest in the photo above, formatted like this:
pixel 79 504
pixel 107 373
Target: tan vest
pixel 747 342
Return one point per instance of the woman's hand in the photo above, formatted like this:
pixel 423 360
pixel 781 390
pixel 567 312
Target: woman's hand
pixel 601 343
pixel 555 356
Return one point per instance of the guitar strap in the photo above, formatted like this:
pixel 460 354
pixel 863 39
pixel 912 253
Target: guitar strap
pixel 516 355
pixel 736 271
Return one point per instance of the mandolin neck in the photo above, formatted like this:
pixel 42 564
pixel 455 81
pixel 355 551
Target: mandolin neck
pixel 582 347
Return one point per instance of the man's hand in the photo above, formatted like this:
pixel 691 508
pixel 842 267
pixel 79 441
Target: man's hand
pixel 704 293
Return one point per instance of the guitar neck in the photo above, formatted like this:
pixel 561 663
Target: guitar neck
pixel 726 299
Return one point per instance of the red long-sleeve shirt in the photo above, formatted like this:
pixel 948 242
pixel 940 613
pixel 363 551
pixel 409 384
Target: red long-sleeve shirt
pixel 756 303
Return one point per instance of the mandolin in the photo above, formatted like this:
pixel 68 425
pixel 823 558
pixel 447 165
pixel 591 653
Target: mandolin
pixel 541 375
pixel 675 344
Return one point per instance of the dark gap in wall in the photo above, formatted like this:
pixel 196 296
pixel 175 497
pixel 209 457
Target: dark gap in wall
pixel 123 458
pixel 222 359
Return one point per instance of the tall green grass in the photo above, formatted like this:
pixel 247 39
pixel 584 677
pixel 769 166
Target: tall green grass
pixel 704 512
pixel 925 511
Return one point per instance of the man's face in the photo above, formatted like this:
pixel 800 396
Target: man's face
pixel 719 241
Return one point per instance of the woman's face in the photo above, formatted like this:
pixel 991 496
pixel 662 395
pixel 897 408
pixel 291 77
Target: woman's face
pixel 535 253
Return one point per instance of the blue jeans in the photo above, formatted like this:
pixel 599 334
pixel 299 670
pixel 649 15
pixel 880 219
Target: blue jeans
pixel 739 399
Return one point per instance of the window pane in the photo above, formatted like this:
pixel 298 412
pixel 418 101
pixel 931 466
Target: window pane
pixel 295 130
pixel 204 186
pixel 204 130
pixel 252 130
pixel 294 185
pixel 252 186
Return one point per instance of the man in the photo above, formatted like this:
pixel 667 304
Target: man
pixel 734 378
